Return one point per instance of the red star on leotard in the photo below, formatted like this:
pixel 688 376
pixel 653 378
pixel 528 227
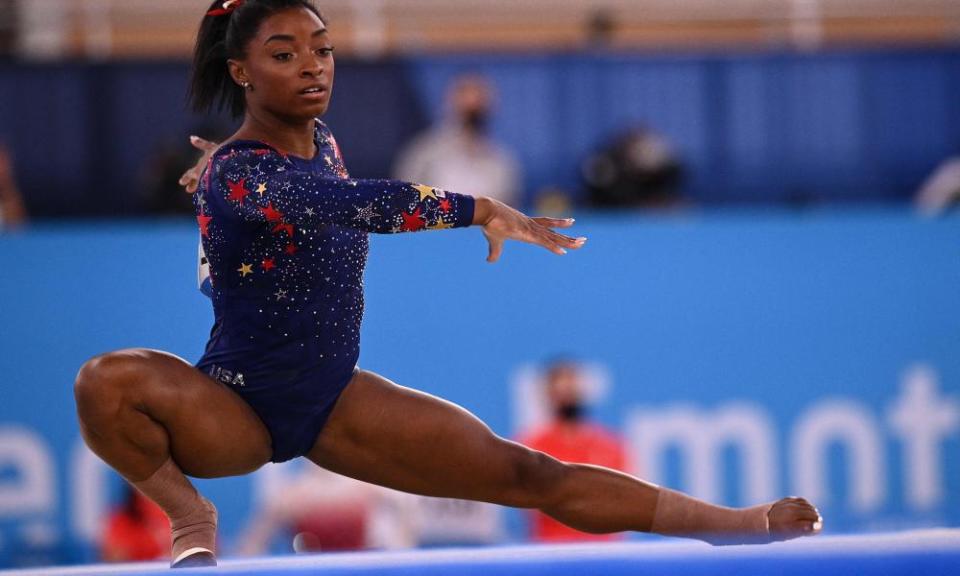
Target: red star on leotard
pixel 267 264
pixel 445 205
pixel 291 249
pixel 412 222
pixel 271 213
pixel 237 190
pixel 204 221
pixel 283 227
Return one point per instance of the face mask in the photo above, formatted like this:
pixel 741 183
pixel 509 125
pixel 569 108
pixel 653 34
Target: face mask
pixel 571 412
pixel 476 120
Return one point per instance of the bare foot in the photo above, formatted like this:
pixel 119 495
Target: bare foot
pixel 793 517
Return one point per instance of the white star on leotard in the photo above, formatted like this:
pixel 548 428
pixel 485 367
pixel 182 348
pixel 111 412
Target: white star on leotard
pixel 309 211
pixel 281 295
pixel 366 214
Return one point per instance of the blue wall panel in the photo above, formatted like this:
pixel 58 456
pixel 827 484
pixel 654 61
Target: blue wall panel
pixel 829 127
pixel 826 127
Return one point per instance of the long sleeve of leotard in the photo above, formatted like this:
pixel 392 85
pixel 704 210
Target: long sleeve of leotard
pixel 261 185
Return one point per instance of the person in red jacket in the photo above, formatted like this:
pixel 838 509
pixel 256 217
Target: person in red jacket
pixel 138 530
pixel 571 437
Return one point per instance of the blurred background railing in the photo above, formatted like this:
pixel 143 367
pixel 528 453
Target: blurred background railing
pixel 137 28
pixel 776 102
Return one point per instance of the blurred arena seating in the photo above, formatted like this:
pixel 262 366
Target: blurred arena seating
pixel 139 28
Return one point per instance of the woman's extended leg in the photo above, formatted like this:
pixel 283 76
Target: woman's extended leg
pixel 386 434
pixel 154 418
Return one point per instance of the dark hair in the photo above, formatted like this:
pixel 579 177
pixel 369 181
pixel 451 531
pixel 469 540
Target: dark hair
pixel 223 37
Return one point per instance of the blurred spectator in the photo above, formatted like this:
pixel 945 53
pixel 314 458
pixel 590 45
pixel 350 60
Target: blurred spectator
pixel 136 531
pixel 571 437
pixel 12 211
pixel 451 522
pixel 941 190
pixel 459 155
pixel 637 168
pixel 553 201
pixel 322 511
pixel 600 28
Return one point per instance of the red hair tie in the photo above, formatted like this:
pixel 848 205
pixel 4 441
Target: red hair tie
pixel 228 7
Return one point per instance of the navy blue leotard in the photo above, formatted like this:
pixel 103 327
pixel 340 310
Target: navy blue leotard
pixel 286 242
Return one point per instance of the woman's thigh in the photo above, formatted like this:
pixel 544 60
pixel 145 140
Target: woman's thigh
pixel 159 403
pixel 408 440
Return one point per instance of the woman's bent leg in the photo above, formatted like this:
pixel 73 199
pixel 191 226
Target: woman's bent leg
pixel 153 417
pixel 404 439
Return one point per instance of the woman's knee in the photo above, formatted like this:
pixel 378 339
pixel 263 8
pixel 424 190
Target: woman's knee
pixel 104 382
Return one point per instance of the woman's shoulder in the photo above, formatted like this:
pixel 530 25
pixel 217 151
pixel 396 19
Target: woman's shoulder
pixel 245 149
pixel 246 153
pixel 242 160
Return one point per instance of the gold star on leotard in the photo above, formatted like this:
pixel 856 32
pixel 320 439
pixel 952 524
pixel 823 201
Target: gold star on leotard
pixel 425 192
pixel 261 188
pixel 440 225
pixel 245 269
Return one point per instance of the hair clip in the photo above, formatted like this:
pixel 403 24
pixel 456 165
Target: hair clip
pixel 227 7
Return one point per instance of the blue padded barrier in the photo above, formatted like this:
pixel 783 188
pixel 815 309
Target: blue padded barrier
pixel 930 553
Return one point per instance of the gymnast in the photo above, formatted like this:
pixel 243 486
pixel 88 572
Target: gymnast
pixel 285 231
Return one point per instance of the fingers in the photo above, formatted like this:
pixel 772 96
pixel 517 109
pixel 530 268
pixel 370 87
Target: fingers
pixel 516 226
pixel 190 180
pixel 201 144
pixel 559 243
pixel 567 241
pixel 560 239
pixel 496 248
pixel 554 222
pixel 552 241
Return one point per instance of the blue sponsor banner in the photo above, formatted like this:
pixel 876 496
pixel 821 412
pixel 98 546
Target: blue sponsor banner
pixel 744 356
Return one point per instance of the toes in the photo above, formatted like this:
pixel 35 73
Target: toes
pixel 794 517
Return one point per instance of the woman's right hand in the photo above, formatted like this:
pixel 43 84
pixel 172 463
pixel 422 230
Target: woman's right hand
pixel 501 223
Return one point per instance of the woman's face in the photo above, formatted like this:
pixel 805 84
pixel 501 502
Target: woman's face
pixel 289 63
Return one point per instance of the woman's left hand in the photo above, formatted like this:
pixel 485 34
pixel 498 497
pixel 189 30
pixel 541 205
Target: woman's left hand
pixel 501 222
pixel 191 178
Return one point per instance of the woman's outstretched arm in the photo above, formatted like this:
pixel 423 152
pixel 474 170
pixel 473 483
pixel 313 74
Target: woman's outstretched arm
pixel 282 196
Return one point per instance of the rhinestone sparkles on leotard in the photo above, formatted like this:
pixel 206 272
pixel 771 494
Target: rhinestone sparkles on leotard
pixel 286 243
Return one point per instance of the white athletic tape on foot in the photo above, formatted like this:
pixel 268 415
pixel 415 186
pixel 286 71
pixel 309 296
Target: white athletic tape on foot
pixel 191 552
